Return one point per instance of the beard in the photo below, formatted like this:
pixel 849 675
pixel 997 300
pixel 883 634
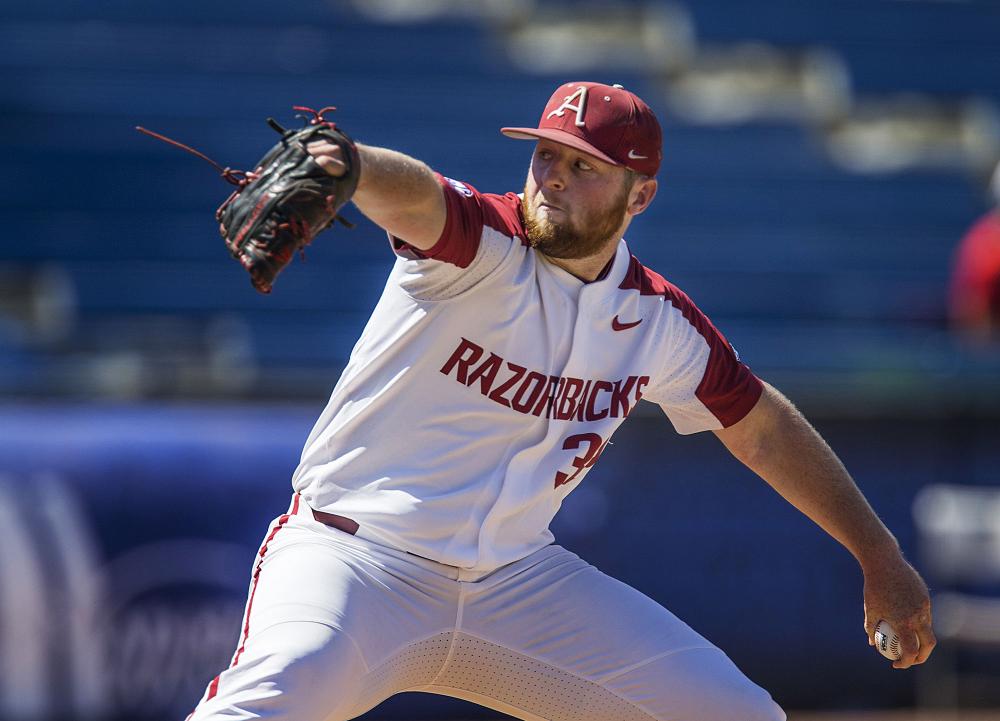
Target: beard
pixel 569 239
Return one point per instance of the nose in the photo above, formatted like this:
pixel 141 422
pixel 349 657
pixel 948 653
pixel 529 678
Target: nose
pixel 553 176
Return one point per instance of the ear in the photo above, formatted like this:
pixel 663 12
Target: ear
pixel 642 195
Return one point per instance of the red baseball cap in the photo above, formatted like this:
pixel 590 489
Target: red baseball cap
pixel 606 121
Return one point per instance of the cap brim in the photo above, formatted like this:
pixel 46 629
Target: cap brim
pixel 558 136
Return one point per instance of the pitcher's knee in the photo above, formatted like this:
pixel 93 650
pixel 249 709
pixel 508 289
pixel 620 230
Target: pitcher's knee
pixel 727 694
pixel 699 684
pixel 754 704
pixel 727 701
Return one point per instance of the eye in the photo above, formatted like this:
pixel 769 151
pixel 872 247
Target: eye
pixel 584 165
pixel 544 154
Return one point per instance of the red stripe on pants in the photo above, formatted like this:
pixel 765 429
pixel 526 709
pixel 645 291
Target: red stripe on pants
pixel 213 688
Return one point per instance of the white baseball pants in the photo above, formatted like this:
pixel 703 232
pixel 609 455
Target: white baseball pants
pixel 335 625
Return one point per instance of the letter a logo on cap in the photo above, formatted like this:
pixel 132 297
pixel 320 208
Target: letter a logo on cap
pixel 580 93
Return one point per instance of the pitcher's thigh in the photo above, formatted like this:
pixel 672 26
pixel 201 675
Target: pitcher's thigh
pixel 293 671
pixel 600 647
pixel 320 609
pixel 700 684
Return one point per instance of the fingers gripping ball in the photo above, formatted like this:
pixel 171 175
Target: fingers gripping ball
pixel 287 200
pixel 887 641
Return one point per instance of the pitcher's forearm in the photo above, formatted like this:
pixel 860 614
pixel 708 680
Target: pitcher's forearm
pixel 400 194
pixel 810 476
pixel 782 447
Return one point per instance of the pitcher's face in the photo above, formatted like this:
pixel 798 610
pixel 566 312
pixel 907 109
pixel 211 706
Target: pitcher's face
pixel 574 204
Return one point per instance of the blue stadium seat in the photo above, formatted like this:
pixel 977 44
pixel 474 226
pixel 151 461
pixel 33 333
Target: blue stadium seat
pixel 947 48
pixel 753 221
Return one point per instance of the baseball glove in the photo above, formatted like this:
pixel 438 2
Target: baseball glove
pixel 286 201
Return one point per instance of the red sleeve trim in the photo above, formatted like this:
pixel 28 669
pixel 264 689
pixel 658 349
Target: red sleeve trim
pixel 503 213
pixel 468 212
pixel 729 389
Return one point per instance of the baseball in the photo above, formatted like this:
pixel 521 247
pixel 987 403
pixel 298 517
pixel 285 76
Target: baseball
pixel 887 641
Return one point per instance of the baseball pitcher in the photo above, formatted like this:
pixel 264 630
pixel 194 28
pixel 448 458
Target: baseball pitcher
pixel 515 333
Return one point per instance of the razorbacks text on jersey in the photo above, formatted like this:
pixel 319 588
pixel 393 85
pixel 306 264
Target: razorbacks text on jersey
pixel 489 380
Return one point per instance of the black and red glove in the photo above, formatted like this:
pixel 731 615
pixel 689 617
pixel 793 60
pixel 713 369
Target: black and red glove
pixel 286 201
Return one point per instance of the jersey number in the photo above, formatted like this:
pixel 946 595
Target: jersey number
pixel 595 446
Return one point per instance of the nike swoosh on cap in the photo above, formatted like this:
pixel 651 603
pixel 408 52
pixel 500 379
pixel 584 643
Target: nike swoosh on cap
pixel 632 156
pixel 618 325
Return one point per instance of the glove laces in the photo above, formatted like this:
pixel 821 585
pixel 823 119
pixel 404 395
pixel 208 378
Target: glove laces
pixel 238 178
pixel 317 115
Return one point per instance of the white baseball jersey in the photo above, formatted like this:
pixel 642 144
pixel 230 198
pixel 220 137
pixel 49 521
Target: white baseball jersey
pixel 488 381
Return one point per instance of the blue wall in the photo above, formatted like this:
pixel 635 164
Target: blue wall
pixel 139 524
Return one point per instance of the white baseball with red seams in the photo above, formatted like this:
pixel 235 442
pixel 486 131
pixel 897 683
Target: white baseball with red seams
pixel 489 380
pixel 887 640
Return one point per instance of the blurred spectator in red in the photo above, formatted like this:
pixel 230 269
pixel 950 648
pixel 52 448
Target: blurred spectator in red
pixel 975 282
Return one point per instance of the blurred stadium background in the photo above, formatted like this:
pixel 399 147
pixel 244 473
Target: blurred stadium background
pixel 823 158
